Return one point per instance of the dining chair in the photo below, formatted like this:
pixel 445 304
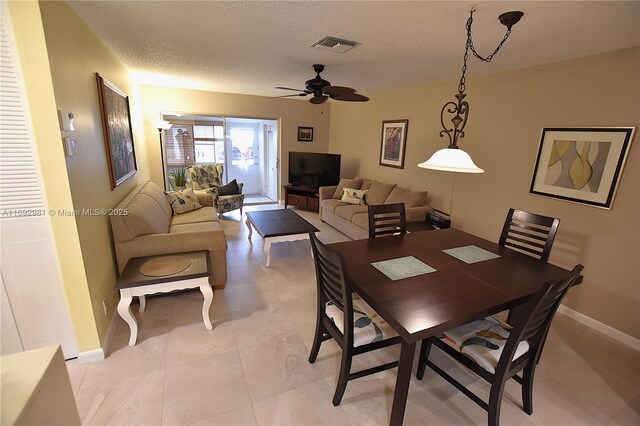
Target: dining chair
pixel 345 317
pixel 497 351
pixel 530 233
pixel 387 219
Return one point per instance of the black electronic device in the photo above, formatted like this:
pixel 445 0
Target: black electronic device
pixel 314 169
pixel 438 219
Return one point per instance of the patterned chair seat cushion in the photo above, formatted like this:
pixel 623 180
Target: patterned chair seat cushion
pixel 483 341
pixel 368 326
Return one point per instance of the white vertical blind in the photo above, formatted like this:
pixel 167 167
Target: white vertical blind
pixel 19 185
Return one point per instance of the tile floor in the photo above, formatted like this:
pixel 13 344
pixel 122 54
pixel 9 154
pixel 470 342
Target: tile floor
pixel 252 367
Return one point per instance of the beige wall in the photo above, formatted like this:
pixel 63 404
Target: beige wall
pixel 508 111
pixel 290 113
pixel 75 55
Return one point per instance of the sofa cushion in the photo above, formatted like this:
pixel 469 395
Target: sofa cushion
pixel 353 196
pixel 409 198
pixel 366 183
pixel 204 214
pixel 346 183
pixel 144 216
pixel 379 192
pixel 154 191
pixel 330 204
pixel 195 227
pixel 361 219
pixel 183 201
pixel 346 211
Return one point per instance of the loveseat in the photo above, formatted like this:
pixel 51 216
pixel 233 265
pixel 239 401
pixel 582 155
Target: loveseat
pixel 150 228
pixel 353 220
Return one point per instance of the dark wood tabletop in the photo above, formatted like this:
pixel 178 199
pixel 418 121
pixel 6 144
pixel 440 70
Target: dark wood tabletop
pixel 276 223
pixel 131 276
pixel 457 293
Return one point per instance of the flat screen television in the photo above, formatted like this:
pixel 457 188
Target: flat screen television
pixel 313 169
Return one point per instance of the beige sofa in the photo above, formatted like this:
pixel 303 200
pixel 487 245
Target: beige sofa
pixel 353 220
pixel 150 228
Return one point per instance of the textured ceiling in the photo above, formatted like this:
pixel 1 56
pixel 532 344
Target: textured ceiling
pixel 250 47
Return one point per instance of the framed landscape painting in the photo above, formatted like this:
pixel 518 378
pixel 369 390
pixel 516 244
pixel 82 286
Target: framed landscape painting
pixel 582 165
pixel 394 143
pixel 305 134
pixel 116 126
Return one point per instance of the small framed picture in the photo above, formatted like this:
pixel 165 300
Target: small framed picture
pixel 394 143
pixel 305 134
pixel 582 164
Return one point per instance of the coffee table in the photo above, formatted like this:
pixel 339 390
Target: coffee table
pixel 133 283
pixel 276 226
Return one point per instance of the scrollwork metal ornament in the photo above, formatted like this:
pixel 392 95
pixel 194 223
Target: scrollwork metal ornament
pixel 460 108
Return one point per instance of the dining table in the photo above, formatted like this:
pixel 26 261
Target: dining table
pixel 453 293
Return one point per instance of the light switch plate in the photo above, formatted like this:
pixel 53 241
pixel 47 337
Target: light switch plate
pixel 70 147
pixel 66 120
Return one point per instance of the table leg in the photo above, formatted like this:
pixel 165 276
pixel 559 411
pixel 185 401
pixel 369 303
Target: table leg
pixel 248 223
pixel 402 383
pixel 207 293
pixel 266 247
pixel 143 303
pixel 124 309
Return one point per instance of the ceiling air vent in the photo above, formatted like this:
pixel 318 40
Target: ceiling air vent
pixel 335 44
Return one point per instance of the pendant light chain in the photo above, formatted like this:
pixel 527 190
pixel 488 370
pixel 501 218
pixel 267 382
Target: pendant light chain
pixel 469 45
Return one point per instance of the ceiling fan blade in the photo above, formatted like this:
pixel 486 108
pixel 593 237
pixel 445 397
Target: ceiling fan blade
pixel 288 96
pixel 351 97
pixel 289 88
pixel 318 99
pixel 337 90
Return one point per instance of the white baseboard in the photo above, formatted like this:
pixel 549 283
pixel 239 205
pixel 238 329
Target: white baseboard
pixel 99 354
pixel 90 356
pixel 601 327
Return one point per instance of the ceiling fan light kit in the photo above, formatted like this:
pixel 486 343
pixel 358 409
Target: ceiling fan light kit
pixel 322 90
pixel 451 158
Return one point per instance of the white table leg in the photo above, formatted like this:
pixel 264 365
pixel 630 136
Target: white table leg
pixel 124 309
pixel 266 247
pixel 143 303
pixel 207 293
pixel 248 223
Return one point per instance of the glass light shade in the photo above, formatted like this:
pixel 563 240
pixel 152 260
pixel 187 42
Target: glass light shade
pixel 161 124
pixel 451 160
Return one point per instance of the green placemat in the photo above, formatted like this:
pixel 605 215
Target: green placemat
pixel 402 267
pixel 471 254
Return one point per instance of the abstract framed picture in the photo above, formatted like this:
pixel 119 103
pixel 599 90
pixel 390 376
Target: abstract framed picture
pixel 116 127
pixel 305 134
pixel 581 164
pixel 394 143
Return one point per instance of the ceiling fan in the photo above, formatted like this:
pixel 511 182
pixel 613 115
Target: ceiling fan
pixel 322 90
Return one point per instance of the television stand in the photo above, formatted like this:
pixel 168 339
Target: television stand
pixel 301 196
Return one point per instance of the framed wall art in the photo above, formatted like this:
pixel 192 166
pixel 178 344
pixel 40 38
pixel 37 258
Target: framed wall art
pixel 305 134
pixel 581 164
pixel 118 136
pixel 394 143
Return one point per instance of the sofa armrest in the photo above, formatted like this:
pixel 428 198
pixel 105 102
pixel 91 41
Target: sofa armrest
pixel 205 198
pixel 327 192
pixel 417 214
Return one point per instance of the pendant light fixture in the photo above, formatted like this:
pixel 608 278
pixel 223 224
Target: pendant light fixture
pixel 452 158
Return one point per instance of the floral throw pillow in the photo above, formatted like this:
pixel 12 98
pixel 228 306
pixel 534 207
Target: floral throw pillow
pixel 183 201
pixel 354 196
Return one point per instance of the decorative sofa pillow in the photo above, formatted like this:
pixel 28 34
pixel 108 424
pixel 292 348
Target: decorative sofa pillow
pixel 409 198
pixel 379 192
pixel 231 188
pixel 346 183
pixel 183 201
pixel 353 196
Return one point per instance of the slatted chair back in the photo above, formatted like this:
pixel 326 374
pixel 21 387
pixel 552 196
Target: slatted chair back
pixel 387 219
pixel 534 323
pixel 529 233
pixel 330 276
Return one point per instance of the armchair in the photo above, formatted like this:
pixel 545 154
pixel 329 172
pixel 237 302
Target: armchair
pixel 208 178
